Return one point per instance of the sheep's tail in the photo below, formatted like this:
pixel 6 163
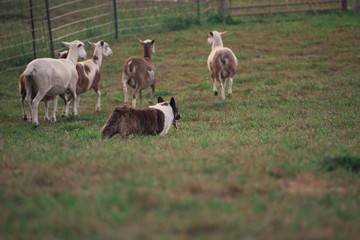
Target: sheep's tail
pixel 28 75
pixel 131 68
pixel 224 60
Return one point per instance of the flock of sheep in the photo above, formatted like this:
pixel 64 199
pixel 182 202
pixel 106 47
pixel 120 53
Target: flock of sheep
pixel 45 79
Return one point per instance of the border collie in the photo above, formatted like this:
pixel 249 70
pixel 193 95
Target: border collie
pixel 153 120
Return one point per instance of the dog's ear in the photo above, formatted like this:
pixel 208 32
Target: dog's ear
pixel 172 102
pixel 160 100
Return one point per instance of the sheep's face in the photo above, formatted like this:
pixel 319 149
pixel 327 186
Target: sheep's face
pixel 215 37
pixel 107 50
pixel 79 46
pixel 212 36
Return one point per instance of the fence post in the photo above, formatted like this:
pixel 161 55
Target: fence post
pixel 32 28
pixel 357 6
pixel 223 8
pixel 49 29
pixel 344 5
pixel 115 19
pixel 198 11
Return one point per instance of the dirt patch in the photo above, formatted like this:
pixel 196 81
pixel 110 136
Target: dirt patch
pixel 309 185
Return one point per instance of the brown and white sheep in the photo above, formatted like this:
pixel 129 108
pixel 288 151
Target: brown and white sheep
pixel 139 73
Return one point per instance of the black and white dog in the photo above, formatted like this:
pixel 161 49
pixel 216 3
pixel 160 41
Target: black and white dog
pixel 153 120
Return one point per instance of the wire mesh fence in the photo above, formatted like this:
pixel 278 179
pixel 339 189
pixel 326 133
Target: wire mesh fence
pixel 36 28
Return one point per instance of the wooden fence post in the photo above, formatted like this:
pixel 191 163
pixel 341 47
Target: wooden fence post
pixel 357 6
pixel 115 20
pixel 223 8
pixel 32 28
pixel 49 29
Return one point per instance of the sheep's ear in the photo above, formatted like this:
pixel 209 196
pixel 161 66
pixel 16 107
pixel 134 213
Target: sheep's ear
pixel 58 54
pixel 102 43
pixel 222 33
pixel 211 34
pixel 66 44
pixel 140 41
pixel 152 42
pixel 160 100
pixel 91 43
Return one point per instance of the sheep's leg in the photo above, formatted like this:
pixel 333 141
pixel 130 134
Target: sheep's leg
pixel 137 89
pixel 98 107
pixel 222 86
pixel 75 106
pixel 141 96
pixel 66 107
pixel 46 111
pixel 55 100
pixel 29 101
pixel 152 93
pixel 63 96
pixel 230 87
pixel 35 105
pixel 22 101
pixel 78 101
pixel 124 80
pixel 214 85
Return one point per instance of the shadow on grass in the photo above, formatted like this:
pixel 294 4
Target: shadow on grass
pixel 347 162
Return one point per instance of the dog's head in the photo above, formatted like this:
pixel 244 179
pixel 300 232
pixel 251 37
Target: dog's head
pixel 174 108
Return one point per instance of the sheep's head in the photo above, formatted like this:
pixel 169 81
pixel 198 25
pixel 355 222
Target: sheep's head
pixel 149 45
pixel 63 54
pixel 214 38
pixel 77 46
pixel 104 46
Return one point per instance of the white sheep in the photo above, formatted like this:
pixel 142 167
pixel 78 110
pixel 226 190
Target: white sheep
pixel 51 77
pixel 221 62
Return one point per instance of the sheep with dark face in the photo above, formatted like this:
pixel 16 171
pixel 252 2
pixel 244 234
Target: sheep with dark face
pixel 139 73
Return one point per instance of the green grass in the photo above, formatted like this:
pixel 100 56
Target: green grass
pixel 279 160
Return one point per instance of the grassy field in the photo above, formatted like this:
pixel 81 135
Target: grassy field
pixel 279 160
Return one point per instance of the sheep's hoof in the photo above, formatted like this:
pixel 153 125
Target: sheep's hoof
pixel 229 95
pixel 150 102
pixel 64 115
pixel 46 119
pixel 216 93
pixel 98 109
pixel 53 120
pixel 25 118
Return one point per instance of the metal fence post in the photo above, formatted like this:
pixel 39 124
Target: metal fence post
pixel 115 19
pixel 32 28
pixel 49 29
pixel 198 11
pixel 344 5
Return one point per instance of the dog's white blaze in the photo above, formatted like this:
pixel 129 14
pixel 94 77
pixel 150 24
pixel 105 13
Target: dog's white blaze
pixel 169 116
